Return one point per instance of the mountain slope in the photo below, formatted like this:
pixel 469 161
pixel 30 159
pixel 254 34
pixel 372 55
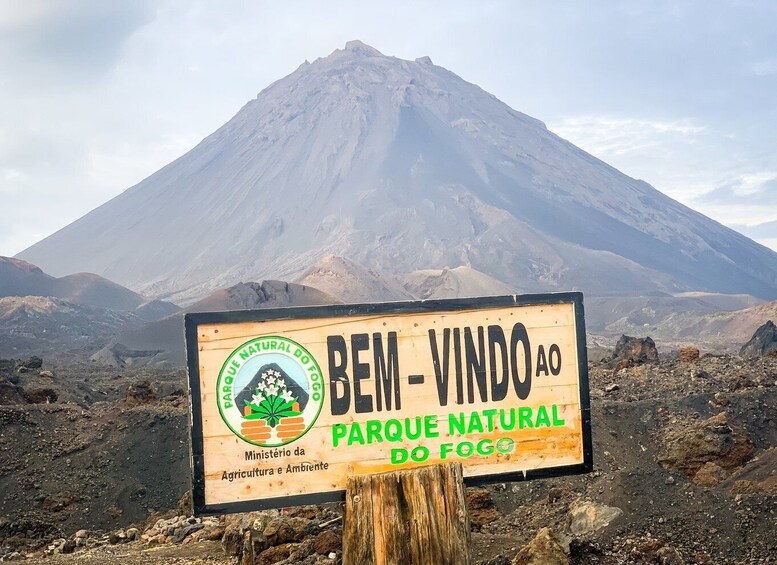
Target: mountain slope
pixel 453 283
pixel 40 325
pixel 398 166
pixel 352 283
pixel 721 328
pixel 19 278
pixel 162 342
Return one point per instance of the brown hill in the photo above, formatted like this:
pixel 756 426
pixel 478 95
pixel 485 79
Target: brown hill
pixel 161 343
pixel 351 283
pixel 19 278
pixel 453 283
pixel 725 327
pixel 40 325
pixel 721 331
pixel 723 302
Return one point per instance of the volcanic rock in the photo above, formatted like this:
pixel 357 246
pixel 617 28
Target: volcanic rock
pixel 586 517
pixel 328 542
pixel 139 393
pixel 11 393
pixel 689 447
pixel 243 533
pixel 763 342
pixel 670 556
pixel 31 363
pixel 710 474
pixel 284 529
pixel 161 342
pixel 41 395
pixel 120 356
pixel 41 324
pixel 689 354
pixel 544 549
pixel 352 283
pixel 745 486
pixel 19 278
pixel 480 506
pixel 460 282
pixel 636 350
pixel 721 399
pixel 232 540
pixel 187 530
pixel 273 554
pixel 69 546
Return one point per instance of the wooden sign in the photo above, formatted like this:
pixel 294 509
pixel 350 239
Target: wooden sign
pixel 286 403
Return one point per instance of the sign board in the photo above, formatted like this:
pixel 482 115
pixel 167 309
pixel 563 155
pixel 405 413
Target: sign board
pixel 287 402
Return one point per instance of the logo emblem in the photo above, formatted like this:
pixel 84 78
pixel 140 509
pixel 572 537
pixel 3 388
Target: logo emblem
pixel 270 391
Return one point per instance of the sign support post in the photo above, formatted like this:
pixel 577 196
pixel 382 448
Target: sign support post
pixel 415 516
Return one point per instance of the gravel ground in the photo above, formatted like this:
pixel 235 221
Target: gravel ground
pixel 93 460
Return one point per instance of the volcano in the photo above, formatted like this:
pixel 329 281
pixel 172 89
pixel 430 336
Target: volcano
pixel 398 166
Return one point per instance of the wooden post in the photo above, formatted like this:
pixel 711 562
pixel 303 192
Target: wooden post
pixel 417 516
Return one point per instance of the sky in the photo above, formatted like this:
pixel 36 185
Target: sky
pixel 95 96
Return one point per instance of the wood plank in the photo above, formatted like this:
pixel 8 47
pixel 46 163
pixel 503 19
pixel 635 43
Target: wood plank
pixel 412 517
pixel 319 465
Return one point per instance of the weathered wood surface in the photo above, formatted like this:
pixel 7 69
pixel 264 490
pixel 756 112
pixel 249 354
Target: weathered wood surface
pixel 416 517
pixel 535 448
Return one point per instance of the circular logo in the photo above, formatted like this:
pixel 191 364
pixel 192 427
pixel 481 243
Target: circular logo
pixel 270 391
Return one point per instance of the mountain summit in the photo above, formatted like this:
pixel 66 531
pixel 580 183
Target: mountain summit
pixel 398 165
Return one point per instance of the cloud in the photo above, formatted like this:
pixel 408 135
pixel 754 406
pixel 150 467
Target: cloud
pixel 765 229
pixel 98 94
pixel 126 164
pixel 702 166
pixel 55 36
pixel 663 152
pixel 763 68
pixel 764 233
pixel 751 187
pixel 614 135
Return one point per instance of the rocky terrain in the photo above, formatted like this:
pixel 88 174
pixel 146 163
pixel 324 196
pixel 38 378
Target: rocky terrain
pixel 453 283
pixel 19 278
pixel 364 177
pixel 74 315
pixel 161 343
pixel 88 317
pixel 94 469
pixel 338 279
pixel 351 283
pixel 678 316
pixel 717 328
pixel 38 324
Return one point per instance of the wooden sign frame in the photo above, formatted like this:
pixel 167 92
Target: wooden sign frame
pixel 193 320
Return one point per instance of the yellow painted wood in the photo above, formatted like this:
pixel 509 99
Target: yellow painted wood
pixel 224 453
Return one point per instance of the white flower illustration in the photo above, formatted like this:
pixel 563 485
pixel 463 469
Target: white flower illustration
pixel 287 396
pixel 257 399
